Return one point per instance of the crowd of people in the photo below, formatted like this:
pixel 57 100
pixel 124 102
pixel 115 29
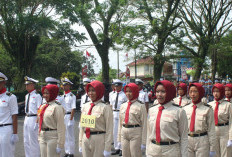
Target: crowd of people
pixel 191 119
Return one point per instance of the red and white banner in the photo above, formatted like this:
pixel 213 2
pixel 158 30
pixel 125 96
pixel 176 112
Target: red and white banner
pixel 84 71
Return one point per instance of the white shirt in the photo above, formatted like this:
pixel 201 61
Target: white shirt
pixel 8 107
pixel 70 101
pixel 83 98
pixel 121 99
pixel 34 102
pixel 143 96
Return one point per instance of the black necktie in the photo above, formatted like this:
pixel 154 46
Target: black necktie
pixel 86 98
pixel 116 102
pixel 27 108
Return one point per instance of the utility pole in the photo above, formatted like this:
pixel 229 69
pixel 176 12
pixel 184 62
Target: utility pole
pixel 118 62
pixel 135 65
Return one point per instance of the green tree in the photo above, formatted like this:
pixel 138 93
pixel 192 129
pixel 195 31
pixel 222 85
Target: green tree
pixel 224 56
pixel 53 57
pixel 21 25
pixel 204 23
pixel 112 74
pixel 150 32
pixel 102 21
pixel 73 77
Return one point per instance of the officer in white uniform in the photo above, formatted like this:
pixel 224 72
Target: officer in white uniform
pixel 143 96
pixel 116 99
pixel 51 80
pixel 70 106
pixel 113 89
pixel 8 120
pixel 85 98
pixel 32 102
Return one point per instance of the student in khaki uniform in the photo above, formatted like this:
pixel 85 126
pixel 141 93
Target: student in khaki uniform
pixel 228 92
pixel 167 125
pixel 182 99
pixel 132 123
pixel 222 118
pixel 96 142
pixel 51 123
pixel 201 134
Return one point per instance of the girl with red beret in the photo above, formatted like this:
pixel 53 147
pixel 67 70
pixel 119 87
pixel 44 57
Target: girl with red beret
pixel 132 123
pixel 51 123
pixel 222 118
pixel 182 99
pixel 96 141
pixel 167 124
pixel 201 128
pixel 228 92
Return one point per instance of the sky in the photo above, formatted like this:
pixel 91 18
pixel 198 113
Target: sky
pixel 88 45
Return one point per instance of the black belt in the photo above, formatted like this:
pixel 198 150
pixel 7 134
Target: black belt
pixel 97 132
pixel 223 124
pixel 1 125
pixel 47 129
pixel 116 110
pixel 68 113
pixel 31 115
pixel 197 135
pixel 163 143
pixel 130 126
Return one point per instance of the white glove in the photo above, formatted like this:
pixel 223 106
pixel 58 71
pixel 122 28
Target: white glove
pixel 36 126
pixel 119 145
pixel 212 154
pixel 80 150
pixel 70 123
pixel 229 143
pixel 14 138
pixel 106 153
pixel 58 150
pixel 143 147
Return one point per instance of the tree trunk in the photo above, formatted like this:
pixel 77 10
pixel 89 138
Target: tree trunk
pixel 157 69
pixel 199 67
pixel 214 63
pixel 105 67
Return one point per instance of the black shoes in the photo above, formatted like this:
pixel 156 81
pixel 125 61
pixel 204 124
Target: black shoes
pixel 120 153
pixel 115 152
pixel 68 155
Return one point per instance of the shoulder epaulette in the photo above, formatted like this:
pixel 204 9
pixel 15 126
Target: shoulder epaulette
pixel 57 103
pixel 176 105
pixel 140 102
pixel 187 104
pixel 152 105
pixel 8 93
pixel 71 94
pixel 207 105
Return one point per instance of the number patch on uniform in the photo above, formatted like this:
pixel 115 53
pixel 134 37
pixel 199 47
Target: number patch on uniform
pixel 88 121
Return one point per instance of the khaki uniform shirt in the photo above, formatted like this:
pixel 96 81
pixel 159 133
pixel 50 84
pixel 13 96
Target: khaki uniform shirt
pixel 204 121
pixel 204 100
pixel 104 122
pixel 173 125
pixel 184 100
pixel 226 99
pixel 54 119
pixel 137 115
pixel 224 113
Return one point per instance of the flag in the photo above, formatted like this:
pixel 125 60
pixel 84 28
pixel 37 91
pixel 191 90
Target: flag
pixel 127 73
pixel 84 71
pixel 87 54
pixel 126 57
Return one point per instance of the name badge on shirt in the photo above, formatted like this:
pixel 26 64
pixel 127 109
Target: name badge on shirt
pixel 88 121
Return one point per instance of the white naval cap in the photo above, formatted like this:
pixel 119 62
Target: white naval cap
pixel 117 82
pixel 3 77
pixel 223 81
pixel 216 81
pixel 86 81
pixel 138 81
pixel 29 80
pixel 201 81
pixel 66 81
pixel 51 80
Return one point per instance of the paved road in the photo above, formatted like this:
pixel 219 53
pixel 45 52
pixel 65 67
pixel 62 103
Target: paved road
pixel 19 152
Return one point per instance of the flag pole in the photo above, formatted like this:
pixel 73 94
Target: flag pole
pixel 118 62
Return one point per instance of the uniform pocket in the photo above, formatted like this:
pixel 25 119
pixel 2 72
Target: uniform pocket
pixel 3 106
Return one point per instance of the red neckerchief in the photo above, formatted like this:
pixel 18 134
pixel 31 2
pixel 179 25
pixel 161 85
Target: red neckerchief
pixel 3 90
pixel 66 92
